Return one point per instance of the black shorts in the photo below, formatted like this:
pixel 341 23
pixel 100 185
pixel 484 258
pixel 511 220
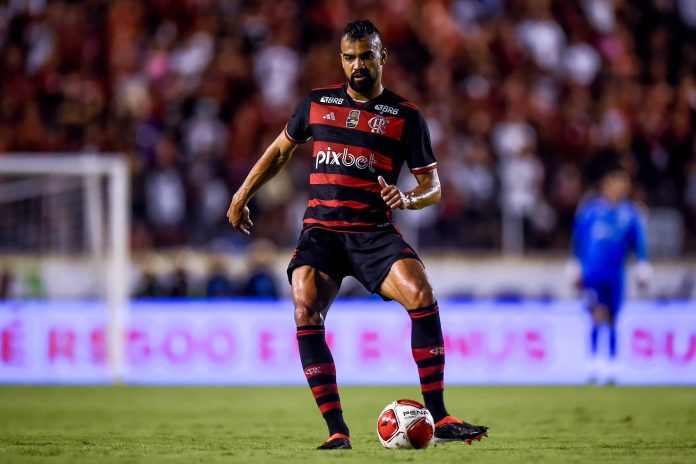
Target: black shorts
pixel 367 256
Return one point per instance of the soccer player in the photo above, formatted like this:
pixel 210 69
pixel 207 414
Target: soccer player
pixel 606 230
pixel 362 133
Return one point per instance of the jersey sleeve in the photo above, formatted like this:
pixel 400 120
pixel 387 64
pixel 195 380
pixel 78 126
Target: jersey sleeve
pixel 298 129
pixel 420 158
pixel 637 236
pixel 579 231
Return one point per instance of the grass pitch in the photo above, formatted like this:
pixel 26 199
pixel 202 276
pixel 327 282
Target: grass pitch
pixel 257 425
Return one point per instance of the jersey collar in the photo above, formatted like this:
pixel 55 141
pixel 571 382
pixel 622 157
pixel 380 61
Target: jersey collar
pixel 356 104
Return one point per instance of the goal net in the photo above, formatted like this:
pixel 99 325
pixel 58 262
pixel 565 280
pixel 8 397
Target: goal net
pixel 64 221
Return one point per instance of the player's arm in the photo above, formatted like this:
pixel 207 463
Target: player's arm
pixel 574 267
pixel 578 233
pixel 639 244
pixel 271 162
pixel 425 194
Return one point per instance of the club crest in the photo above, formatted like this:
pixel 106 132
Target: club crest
pixel 377 124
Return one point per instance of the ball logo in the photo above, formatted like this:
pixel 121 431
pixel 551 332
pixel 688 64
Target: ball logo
pixel 353 119
pixel 345 158
pixel 415 412
pixel 377 124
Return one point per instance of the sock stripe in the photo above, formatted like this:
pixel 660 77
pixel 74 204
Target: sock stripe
pixel 427 347
pixel 423 308
pixel 427 387
pixel 423 312
pixel 421 315
pixel 304 333
pixel 326 389
pixel 431 370
pixel 319 369
pixel 328 399
pixel 421 354
pixel 432 378
pixel 335 405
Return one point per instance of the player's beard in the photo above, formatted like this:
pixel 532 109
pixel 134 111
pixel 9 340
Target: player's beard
pixel 364 85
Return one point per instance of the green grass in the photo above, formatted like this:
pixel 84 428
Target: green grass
pixel 255 425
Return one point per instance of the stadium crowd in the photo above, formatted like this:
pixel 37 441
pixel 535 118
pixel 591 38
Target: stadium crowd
pixel 525 100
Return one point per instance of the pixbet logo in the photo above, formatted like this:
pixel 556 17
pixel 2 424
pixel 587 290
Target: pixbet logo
pixel 345 158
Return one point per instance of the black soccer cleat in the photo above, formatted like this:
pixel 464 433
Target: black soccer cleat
pixel 336 441
pixel 453 429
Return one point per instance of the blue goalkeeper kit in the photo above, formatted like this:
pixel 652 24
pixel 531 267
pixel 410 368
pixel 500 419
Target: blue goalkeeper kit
pixel 603 236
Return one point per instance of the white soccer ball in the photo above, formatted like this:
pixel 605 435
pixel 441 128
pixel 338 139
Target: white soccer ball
pixel 405 424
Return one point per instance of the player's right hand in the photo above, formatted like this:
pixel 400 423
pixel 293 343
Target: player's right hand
pixel 392 196
pixel 239 216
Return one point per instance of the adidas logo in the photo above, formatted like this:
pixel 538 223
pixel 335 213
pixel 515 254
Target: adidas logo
pixel 331 116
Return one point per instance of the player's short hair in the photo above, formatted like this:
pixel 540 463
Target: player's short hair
pixel 359 29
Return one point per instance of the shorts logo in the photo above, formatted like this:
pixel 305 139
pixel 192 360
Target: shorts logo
pixel 377 124
pixel 345 158
pixel 331 100
pixel 331 116
pixel 352 119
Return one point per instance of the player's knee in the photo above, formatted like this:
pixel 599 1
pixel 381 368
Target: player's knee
pixel 420 296
pixel 305 315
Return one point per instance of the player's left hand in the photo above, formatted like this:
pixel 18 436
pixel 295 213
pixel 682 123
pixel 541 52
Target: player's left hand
pixel 644 274
pixel 392 196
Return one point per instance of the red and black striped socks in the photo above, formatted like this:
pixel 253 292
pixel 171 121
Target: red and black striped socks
pixel 428 350
pixel 320 371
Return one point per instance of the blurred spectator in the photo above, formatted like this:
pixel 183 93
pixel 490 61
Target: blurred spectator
pixel 261 282
pixel 219 284
pixel 150 286
pixel 5 284
pixel 180 284
pixel 192 92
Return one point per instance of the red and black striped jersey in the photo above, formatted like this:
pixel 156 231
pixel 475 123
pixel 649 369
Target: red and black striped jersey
pixel 353 144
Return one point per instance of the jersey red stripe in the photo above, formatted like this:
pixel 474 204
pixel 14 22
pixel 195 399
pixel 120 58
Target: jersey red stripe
pixel 338 203
pixel 344 180
pixel 363 120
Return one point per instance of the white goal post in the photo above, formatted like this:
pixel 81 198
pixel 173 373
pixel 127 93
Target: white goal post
pixel 100 182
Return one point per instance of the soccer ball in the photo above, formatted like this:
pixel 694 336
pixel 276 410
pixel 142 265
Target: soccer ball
pixel 405 424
